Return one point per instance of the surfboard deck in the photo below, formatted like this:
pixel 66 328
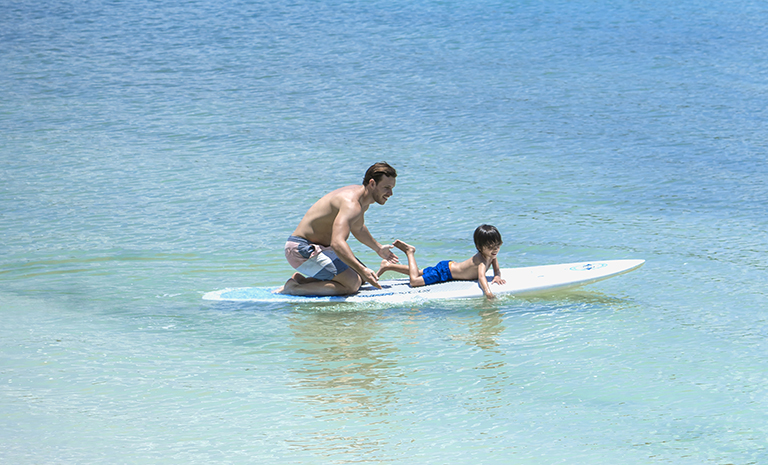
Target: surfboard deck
pixel 519 281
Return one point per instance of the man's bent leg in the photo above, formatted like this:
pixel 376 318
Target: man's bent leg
pixel 345 283
pixel 301 279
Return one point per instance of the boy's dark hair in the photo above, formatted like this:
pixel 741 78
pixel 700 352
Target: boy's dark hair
pixel 487 236
pixel 378 171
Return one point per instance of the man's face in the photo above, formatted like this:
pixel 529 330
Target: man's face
pixel 382 190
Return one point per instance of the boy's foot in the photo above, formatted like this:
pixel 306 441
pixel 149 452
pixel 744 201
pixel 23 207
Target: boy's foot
pixel 404 247
pixel 385 266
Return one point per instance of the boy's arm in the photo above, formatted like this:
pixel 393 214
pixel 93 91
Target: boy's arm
pixel 483 281
pixel 497 273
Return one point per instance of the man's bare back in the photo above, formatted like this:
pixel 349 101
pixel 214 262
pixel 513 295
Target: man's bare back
pixel 468 268
pixel 317 224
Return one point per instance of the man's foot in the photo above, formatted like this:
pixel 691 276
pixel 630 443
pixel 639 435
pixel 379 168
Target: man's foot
pixel 286 288
pixel 345 283
pixel 297 279
pixel 301 279
pixel 404 247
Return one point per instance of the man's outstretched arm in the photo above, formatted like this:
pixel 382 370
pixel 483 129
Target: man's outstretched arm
pixel 342 226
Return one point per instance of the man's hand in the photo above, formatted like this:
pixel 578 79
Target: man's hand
pixel 498 280
pixel 370 276
pixel 386 253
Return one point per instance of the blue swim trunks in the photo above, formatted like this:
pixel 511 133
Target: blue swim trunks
pixel 439 273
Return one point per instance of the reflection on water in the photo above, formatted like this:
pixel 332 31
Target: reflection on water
pixel 348 372
pixel 484 333
pixel 344 360
pixel 355 378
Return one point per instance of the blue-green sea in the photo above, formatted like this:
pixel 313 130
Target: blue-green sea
pixel 153 151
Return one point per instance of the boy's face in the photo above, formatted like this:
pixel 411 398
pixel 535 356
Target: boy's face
pixel 491 252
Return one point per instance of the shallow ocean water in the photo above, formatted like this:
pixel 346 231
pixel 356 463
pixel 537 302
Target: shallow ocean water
pixel 153 152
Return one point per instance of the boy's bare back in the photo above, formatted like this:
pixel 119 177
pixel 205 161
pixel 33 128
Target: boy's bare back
pixel 468 268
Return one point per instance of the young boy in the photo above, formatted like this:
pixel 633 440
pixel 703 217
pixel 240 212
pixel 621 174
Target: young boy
pixel 487 241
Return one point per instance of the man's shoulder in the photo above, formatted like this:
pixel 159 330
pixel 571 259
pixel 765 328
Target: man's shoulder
pixel 354 190
pixel 346 194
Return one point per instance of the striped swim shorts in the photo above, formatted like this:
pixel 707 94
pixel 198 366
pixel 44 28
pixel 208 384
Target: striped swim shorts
pixel 313 260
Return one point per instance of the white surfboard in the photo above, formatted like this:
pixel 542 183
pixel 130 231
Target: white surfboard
pixel 519 281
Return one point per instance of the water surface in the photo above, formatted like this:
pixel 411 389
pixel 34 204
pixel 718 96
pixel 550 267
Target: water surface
pixel 155 151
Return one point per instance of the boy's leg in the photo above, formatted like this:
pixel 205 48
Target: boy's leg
pixel 413 269
pixel 386 265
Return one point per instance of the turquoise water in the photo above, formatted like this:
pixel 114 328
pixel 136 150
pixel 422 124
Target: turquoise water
pixel 153 151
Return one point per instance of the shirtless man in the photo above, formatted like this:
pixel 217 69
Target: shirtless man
pixel 318 247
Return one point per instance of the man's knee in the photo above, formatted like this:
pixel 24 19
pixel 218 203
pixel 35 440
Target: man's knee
pixel 350 280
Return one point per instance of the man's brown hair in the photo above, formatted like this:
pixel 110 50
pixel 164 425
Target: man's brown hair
pixel 378 171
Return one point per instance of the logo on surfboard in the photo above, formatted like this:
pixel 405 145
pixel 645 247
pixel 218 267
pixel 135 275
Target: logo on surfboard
pixel 589 266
